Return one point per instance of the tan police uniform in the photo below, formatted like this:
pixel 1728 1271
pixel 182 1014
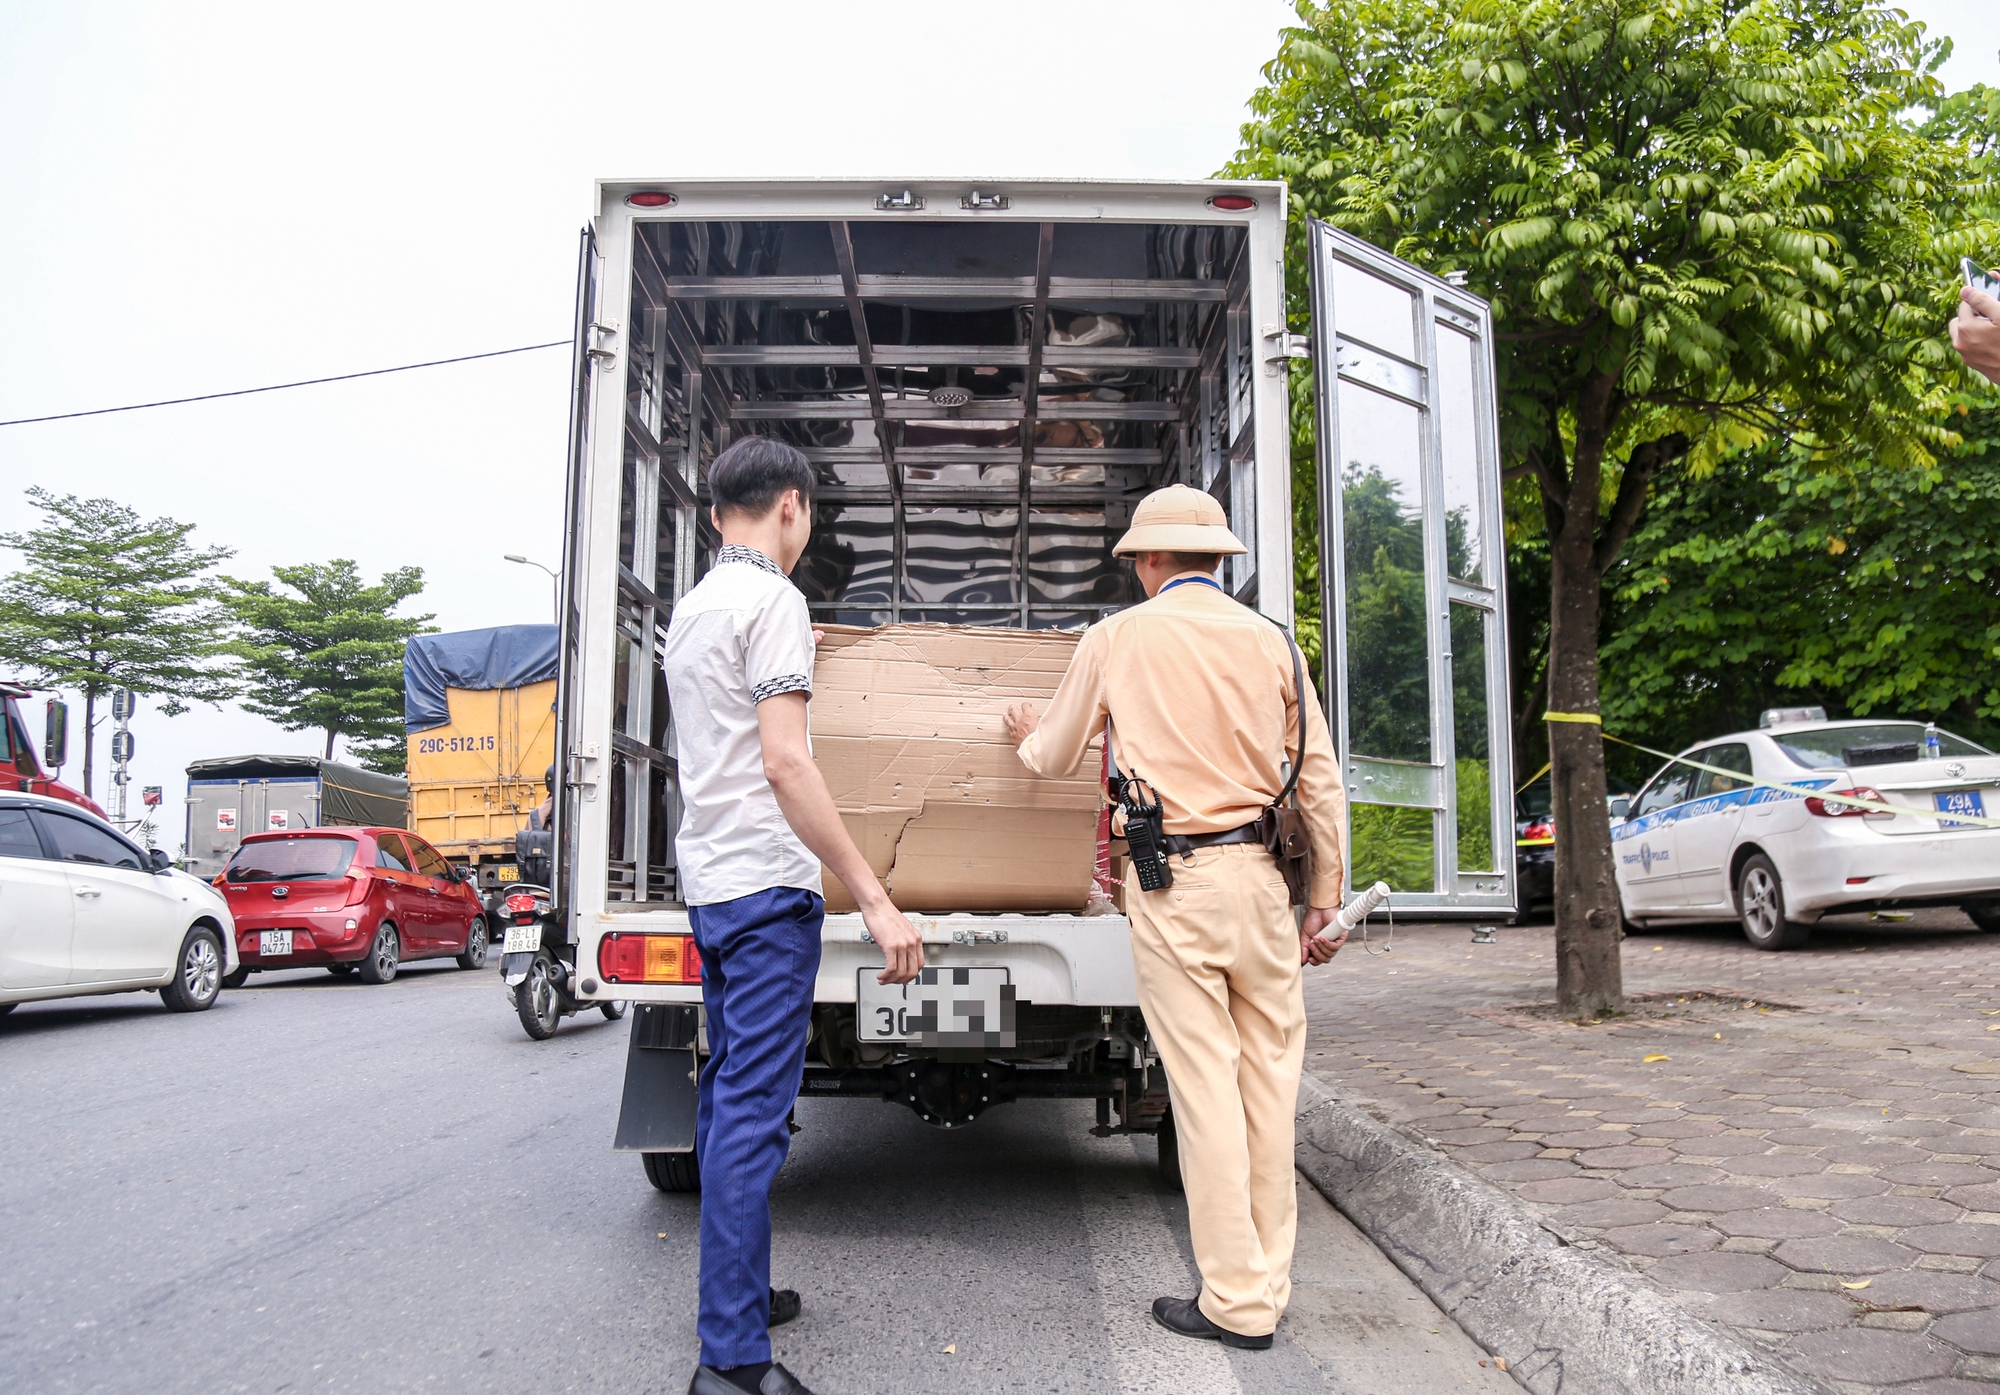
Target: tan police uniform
pixel 1199 692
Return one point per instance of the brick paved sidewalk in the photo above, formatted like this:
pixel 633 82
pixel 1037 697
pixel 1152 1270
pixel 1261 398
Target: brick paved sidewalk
pixel 1816 1164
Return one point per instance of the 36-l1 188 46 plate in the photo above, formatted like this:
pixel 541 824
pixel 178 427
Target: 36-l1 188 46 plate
pixel 522 939
pixel 940 1007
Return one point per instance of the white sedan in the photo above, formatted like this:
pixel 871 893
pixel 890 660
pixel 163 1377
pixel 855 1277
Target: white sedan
pixel 83 909
pixel 1703 845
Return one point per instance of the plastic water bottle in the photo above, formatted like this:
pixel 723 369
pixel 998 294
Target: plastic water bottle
pixel 1931 751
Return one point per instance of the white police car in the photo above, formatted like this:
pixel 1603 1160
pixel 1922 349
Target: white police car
pixel 1701 845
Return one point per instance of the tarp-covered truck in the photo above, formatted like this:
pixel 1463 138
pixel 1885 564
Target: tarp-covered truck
pixel 234 796
pixel 480 710
pixel 988 376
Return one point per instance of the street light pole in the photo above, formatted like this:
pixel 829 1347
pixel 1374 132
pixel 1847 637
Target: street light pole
pixel 555 582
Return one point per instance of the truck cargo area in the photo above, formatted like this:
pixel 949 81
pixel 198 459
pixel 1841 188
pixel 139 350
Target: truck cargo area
pixel 984 402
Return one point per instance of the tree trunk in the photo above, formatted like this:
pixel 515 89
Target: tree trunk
pixel 1589 977
pixel 89 738
pixel 1582 543
pixel 330 734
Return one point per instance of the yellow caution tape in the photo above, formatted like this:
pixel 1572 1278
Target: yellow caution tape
pixel 1873 805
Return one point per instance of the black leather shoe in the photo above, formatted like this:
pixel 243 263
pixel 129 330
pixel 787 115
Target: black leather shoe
pixel 777 1381
pixel 785 1306
pixel 1184 1315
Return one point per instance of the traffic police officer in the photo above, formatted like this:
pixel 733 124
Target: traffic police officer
pixel 1201 702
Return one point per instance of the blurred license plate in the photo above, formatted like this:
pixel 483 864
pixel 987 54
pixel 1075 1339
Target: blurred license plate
pixel 274 942
pixel 1960 802
pixel 942 1007
pixel 508 872
pixel 523 939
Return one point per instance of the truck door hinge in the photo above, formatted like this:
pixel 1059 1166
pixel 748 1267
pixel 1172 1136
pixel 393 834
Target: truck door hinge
pixel 979 937
pixel 606 332
pixel 978 202
pixel 1283 344
pixel 905 202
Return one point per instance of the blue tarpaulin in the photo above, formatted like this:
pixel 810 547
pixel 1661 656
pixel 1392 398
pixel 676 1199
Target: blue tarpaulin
pixel 506 657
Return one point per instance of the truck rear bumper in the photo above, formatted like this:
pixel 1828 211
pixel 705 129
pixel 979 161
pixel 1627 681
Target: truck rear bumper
pixel 1076 960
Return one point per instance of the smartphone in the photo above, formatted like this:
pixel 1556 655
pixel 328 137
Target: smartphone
pixel 1978 277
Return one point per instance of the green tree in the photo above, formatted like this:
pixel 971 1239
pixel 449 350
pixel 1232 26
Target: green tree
pixel 107 600
pixel 1702 226
pixel 1769 583
pixel 322 649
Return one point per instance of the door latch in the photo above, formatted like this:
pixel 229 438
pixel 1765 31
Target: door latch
pixel 979 937
pixel 905 202
pixel 978 202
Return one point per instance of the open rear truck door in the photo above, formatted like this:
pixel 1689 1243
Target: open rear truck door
pixel 1409 488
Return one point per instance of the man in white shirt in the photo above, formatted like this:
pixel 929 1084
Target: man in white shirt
pixel 757 824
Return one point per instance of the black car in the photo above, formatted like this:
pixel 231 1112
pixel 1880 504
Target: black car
pixel 1535 841
pixel 1534 847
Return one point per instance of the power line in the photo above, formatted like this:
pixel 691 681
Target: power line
pixel 279 387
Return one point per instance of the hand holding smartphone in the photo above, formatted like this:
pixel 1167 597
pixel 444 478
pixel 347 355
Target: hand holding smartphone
pixel 1978 277
pixel 1975 333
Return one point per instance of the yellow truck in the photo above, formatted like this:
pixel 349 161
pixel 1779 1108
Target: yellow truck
pixel 479 708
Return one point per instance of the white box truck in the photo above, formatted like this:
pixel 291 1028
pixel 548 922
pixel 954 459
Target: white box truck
pixel 987 376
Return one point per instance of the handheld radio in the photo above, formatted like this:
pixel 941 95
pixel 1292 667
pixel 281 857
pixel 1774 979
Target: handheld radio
pixel 1145 834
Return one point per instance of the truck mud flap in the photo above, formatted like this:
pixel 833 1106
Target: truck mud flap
pixel 657 1113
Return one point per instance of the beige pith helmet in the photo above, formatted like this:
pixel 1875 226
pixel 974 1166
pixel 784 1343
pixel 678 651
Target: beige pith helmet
pixel 1178 519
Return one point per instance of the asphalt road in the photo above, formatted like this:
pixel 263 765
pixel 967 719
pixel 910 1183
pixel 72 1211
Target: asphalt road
pixel 319 1185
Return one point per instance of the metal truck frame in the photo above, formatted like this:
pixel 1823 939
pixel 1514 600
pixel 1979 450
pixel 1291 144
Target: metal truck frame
pixel 988 376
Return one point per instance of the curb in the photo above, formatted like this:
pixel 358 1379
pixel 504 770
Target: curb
pixel 1568 1322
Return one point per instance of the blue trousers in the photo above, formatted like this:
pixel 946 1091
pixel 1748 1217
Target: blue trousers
pixel 759 958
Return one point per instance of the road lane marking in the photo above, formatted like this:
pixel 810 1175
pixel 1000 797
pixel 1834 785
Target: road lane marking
pixel 1138 1258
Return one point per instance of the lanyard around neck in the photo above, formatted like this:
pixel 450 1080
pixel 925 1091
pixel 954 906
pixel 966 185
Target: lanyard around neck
pixel 1191 581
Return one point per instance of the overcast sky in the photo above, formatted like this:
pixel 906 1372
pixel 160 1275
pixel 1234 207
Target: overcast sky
pixel 214 196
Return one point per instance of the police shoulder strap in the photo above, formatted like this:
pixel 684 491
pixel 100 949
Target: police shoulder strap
pixel 1299 689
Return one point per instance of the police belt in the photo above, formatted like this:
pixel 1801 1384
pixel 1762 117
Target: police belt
pixel 1181 844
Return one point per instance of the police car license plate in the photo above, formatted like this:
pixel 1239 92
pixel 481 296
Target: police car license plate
pixel 941 1007
pixel 522 939
pixel 1960 802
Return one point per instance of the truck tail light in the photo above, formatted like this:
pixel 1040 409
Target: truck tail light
pixel 651 198
pixel 628 958
pixel 1233 203
pixel 1829 805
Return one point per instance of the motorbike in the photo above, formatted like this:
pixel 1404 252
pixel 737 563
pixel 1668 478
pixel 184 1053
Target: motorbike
pixel 537 964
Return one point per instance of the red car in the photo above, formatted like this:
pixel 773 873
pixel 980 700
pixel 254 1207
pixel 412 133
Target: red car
pixel 348 899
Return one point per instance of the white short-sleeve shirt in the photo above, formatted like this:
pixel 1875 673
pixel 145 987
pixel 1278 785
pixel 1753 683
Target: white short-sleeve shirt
pixel 742 635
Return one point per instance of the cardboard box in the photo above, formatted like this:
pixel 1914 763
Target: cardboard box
pixel 906 727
